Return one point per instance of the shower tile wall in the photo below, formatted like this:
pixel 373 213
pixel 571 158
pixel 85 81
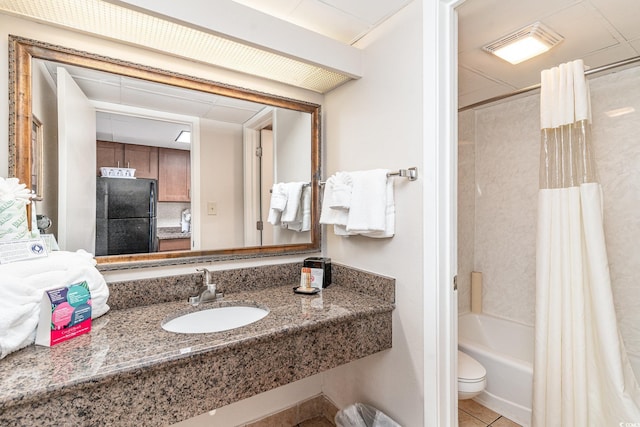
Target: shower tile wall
pixel 466 207
pixel 497 218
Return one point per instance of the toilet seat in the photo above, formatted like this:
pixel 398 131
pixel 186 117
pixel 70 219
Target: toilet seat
pixel 469 369
pixel 471 376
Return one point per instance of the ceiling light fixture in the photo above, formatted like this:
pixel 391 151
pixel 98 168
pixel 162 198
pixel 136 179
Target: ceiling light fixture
pixel 184 136
pixel 525 43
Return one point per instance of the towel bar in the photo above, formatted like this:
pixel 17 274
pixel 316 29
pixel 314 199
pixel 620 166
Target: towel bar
pixel 411 173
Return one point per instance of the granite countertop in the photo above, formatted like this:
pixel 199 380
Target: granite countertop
pixel 130 340
pixel 167 233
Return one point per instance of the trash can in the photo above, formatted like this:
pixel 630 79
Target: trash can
pixel 361 415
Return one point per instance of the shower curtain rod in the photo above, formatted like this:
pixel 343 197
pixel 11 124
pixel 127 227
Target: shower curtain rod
pixel 537 86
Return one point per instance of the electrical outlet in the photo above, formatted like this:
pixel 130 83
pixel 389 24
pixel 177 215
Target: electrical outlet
pixel 212 208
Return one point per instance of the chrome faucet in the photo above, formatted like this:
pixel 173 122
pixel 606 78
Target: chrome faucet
pixel 209 291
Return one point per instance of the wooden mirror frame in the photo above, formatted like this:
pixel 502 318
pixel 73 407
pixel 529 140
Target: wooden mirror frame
pixel 21 53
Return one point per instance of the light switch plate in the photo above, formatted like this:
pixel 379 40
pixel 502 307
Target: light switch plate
pixel 212 208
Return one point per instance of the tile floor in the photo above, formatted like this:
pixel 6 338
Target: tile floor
pixel 317 411
pixel 473 414
pixel 316 422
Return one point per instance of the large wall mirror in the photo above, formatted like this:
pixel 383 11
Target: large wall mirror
pixel 205 155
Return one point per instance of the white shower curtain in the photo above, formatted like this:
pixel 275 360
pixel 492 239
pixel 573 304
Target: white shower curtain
pixel 582 376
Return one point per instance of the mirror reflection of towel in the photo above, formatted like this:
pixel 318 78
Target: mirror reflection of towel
pixel 294 193
pixel 277 203
pixel 302 220
pixel 290 206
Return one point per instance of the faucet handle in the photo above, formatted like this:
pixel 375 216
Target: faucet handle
pixel 207 275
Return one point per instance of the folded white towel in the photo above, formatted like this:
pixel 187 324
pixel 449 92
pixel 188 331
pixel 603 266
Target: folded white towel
pixel 368 210
pixel 22 285
pixel 329 215
pixel 302 221
pixel 342 187
pixel 294 197
pixel 277 203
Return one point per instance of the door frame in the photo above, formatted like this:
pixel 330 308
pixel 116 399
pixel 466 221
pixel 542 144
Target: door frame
pixel 440 240
pixel 250 142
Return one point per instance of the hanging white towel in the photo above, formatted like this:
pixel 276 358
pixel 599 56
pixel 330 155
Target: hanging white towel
pixel 277 203
pixel 359 203
pixel 390 219
pixel 390 215
pixel 294 196
pixel 22 285
pixel 302 221
pixel 368 210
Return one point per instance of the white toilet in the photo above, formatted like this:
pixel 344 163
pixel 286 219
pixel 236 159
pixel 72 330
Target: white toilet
pixel 472 376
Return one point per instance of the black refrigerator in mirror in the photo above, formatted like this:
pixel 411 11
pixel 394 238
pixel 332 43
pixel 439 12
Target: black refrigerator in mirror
pixel 126 216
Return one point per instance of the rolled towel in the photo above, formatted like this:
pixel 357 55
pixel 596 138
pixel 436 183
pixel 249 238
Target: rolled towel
pixel 23 283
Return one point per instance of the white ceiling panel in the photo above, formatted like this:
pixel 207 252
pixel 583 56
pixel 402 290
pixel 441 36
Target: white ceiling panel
pixel 588 34
pixel 104 91
pixel 371 12
pixel 470 81
pixel 572 23
pixel 483 21
pixel 136 130
pixel 229 115
pixel 622 14
pixel 342 26
pixel 170 103
pixel 278 8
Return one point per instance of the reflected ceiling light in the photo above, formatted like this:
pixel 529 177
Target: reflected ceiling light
pixel 114 22
pixel 184 136
pixel 620 111
pixel 525 43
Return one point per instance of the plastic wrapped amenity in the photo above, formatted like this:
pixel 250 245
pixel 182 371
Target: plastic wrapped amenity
pixel 361 415
pixel 13 213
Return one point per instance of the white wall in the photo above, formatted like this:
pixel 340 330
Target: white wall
pixel 376 122
pixel 221 183
pixel 507 140
pixel 289 128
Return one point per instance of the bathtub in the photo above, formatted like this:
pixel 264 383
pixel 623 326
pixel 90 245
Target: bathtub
pixel 506 350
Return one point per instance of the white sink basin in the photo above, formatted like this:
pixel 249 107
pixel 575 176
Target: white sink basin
pixel 215 319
